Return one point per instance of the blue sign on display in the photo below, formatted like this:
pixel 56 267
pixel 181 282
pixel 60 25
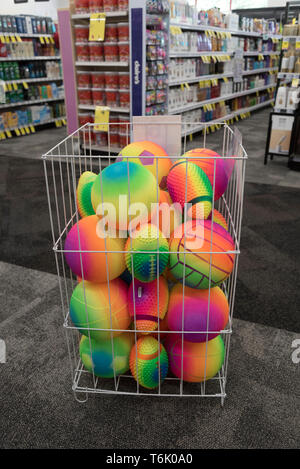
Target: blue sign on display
pixel 137 61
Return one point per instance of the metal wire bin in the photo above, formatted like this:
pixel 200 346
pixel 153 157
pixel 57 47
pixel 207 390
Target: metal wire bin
pixel 63 165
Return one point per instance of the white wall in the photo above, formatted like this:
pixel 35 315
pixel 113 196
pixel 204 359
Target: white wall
pixel 8 7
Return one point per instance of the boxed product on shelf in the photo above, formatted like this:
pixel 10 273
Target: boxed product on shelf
pixel 26 24
pixel 96 6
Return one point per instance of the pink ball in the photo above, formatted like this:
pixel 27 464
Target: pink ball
pixel 197 305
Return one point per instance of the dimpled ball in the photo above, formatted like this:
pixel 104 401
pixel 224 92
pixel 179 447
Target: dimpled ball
pixel 146 150
pixel 218 218
pixel 122 185
pixel 209 165
pixel 143 265
pixel 100 306
pixel 201 312
pixel 94 264
pixel 146 368
pixel 169 216
pixel 195 237
pixel 201 361
pixel 187 183
pixel 143 303
pixel 83 194
pixel 106 356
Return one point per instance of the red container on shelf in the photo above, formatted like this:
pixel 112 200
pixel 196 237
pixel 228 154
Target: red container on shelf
pixel 100 139
pixel 123 51
pixel 111 80
pixel 111 32
pixel 111 52
pixel 87 137
pixel 124 139
pixel 112 98
pixel 82 52
pixel 124 81
pixel 81 33
pixel 110 5
pixel 84 79
pixel 114 139
pixel 114 126
pixel 124 98
pixel 124 126
pixel 122 5
pixel 82 6
pixel 96 6
pixel 85 96
pixel 84 118
pixel 98 79
pixel 123 32
pixel 96 52
pixel 98 97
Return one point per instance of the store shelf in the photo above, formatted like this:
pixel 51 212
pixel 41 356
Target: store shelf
pixel 104 148
pixel 29 103
pixel 26 35
pixel 200 104
pixel 203 27
pixel 199 54
pixel 259 70
pixel 227 117
pixel 254 53
pixel 108 14
pixel 91 107
pixel 288 75
pixel 291 37
pixel 32 80
pixel 29 59
pixel 50 121
pixel 102 64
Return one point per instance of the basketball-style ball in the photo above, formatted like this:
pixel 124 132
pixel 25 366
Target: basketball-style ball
pixel 123 185
pixel 143 265
pixel 187 183
pixel 93 266
pixel 100 306
pixel 148 302
pixel 83 194
pixel 205 246
pixel 146 150
pixel 200 360
pixel 169 215
pixel 144 362
pixel 106 358
pixel 218 218
pixel 201 312
pixel 214 164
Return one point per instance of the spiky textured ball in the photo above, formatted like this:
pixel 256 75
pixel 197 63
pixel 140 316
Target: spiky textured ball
pixel 148 302
pixel 143 265
pixel 187 183
pixel 201 312
pixel 146 150
pixel 201 361
pixel 100 306
pixel 218 218
pixel 146 368
pixel 94 264
pixel 83 194
pixel 133 182
pixel 214 164
pixel 195 236
pixel 106 356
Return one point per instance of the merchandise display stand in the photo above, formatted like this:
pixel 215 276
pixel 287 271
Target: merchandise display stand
pixel 31 75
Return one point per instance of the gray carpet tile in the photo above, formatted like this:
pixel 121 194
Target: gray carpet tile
pixel 262 409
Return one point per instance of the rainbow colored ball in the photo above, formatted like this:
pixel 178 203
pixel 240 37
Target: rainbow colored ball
pixel 123 184
pixel 93 266
pixel 145 151
pixel 106 358
pixel 83 194
pixel 200 361
pixel 209 254
pixel 147 303
pixel 143 265
pixel 144 362
pixel 211 162
pixel 187 183
pixel 100 306
pixel 218 218
pixel 201 312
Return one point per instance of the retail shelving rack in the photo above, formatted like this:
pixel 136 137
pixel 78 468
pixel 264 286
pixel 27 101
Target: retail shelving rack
pixel 13 85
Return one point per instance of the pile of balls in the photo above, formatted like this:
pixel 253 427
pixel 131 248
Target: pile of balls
pixel 144 283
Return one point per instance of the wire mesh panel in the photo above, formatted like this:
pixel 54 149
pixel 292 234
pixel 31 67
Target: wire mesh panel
pixel 146 247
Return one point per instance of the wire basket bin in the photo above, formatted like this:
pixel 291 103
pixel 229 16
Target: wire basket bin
pixel 146 246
